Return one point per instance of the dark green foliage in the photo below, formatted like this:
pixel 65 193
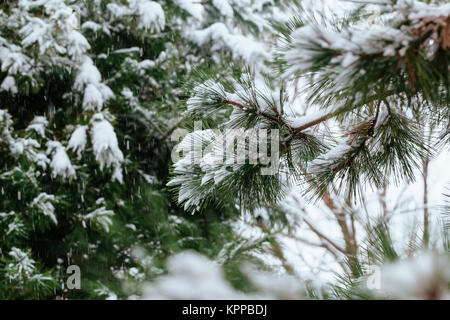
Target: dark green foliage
pixel 100 221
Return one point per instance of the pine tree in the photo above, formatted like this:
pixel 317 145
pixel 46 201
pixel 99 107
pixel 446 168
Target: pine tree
pixel 93 95
pixel 375 93
pixel 380 86
pixel 86 115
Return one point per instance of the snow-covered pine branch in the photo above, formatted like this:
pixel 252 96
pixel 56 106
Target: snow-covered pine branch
pixel 399 55
pixel 369 81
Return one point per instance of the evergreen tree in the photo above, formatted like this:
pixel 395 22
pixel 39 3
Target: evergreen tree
pixel 380 86
pixel 89 95
pixel 372 93
pixel 97 98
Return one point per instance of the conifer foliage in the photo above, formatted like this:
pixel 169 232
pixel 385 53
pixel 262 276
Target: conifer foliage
pixel 89 95
pixel 100 167
pixel 377 86
pixel 375 90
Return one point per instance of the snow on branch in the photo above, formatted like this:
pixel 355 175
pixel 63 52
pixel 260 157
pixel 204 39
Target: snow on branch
pixel 60 164
pixel 408 42
pixel 106 146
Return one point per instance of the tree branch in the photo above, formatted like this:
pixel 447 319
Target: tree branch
pixel 324 237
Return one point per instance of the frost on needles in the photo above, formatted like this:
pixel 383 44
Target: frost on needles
pixel 375 86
